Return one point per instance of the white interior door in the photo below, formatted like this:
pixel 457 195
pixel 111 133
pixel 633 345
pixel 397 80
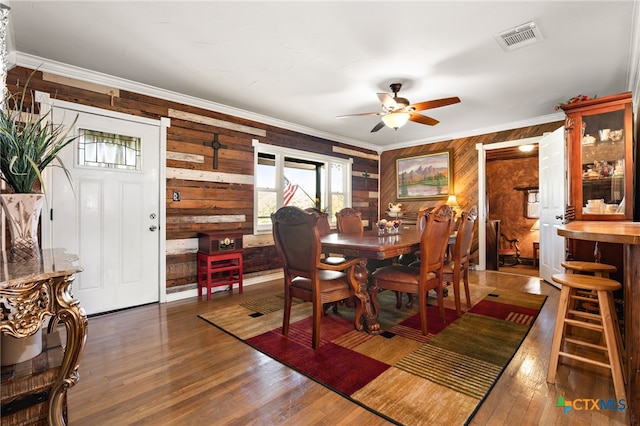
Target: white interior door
pixel 553 189
pixel 110 218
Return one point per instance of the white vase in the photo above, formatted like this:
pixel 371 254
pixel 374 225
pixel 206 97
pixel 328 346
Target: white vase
pixel 16 350
pixel 23 215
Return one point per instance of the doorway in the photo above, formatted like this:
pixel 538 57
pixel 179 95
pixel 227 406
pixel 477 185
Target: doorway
pixel 495 153
pixel 110 213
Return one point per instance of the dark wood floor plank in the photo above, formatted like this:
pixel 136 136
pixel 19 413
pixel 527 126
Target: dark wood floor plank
pixel 162 365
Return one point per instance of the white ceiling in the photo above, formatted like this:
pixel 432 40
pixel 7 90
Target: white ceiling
pixel 300 64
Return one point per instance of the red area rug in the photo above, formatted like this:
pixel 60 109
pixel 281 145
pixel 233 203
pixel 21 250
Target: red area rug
pixel 401 375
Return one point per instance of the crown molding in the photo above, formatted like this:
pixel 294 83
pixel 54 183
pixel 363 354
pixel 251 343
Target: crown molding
pixel 54 67
pixel 535 121
pixel 65 70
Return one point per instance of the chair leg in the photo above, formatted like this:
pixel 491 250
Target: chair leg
pixel 422 307
pixel 398 299
pixel 465 278
pixel 287 314
pixel 440 291
pixel 613 350
pixel 315 333
pixel 456 289
pixel 467 293
pixel 332 305
pixel 558 333
pixel 618 336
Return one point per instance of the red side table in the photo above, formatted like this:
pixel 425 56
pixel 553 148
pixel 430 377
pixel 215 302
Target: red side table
pixel 219 261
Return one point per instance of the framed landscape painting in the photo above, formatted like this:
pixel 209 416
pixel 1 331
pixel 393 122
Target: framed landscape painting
pixel 428 176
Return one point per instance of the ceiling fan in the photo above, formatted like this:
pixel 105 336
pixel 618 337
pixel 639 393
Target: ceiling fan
pixel 397 111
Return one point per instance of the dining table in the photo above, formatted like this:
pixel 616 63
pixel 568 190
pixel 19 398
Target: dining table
pixel 370 245
pixel 628 234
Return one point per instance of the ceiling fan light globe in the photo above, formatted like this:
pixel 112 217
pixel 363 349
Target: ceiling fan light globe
pixel 395 120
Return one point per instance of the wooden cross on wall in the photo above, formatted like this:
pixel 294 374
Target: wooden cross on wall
pixel 216 145
pixel 366 177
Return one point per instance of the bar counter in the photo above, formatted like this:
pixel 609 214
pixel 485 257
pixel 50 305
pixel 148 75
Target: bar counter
pixel 627 234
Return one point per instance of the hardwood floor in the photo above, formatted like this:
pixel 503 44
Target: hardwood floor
pixel 162 365
pixel 521 270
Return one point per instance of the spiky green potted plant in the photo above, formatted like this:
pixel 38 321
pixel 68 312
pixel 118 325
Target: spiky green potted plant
pixel 29 142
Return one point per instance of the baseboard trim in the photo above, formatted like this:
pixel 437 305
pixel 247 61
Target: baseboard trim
pixel 258 279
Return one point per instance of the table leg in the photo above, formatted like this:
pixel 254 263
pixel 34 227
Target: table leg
pixel 72 315
pixel 368 306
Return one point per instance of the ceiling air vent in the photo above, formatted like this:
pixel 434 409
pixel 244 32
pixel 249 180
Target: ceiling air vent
pixel 519 36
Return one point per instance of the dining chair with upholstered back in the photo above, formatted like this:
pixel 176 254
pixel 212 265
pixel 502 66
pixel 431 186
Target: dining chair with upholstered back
pixel 306 277
pixel 324 228
pixel 323 225
pixel 420 223
pixel 406 279
pixel 407 259
pixel 349 221
pixel 459 262
pixel 421 219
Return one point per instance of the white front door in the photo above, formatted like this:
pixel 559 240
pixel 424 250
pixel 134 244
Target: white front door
pixel 110 218
pixel 553 184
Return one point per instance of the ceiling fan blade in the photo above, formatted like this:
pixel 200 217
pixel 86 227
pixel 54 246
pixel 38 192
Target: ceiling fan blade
pixel 436 103
pixel 423 119
pixel 387 101
pixel 378 126
pixel 359 115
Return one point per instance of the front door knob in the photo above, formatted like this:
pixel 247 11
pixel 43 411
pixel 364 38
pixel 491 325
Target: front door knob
pixel 153 228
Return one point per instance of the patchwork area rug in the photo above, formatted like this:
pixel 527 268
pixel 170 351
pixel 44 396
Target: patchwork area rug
pixel 408 378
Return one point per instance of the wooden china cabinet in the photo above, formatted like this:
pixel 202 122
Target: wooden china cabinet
pixel 599 135
pixel 600 150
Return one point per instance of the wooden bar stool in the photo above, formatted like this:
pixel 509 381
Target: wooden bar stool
pixel 604 322
pixel 597 269
pixel 593 268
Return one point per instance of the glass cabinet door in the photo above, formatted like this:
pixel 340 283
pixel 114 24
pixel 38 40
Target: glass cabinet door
pixel 603 155
pixel 600 154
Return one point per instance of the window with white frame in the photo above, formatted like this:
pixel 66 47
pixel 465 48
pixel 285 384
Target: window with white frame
pixel 297 178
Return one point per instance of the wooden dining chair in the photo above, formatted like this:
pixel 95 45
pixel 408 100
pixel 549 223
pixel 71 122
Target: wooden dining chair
pixel 349 221
pixel 324 228
pixel 459 264
pixel 508 248
pixel 406 279
pixel 409 258
pixel 306 277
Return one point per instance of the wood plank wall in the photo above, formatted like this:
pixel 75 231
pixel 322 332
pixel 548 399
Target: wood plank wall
pixel 211 199
pixel 465 167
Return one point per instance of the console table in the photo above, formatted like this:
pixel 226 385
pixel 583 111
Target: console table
pixel 30 292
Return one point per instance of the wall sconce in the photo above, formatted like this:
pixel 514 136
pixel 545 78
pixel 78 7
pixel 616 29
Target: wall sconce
pixel 526 148
pixel 395 120
pixel 536 226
